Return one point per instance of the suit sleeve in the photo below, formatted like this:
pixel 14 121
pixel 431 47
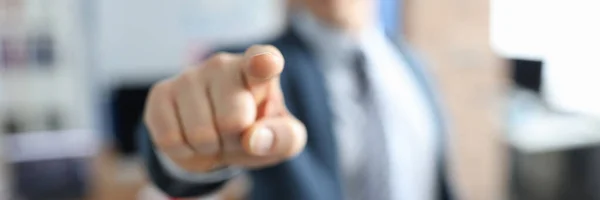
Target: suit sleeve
pixel 163 179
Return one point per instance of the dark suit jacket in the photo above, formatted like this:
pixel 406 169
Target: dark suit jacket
pixel 314 174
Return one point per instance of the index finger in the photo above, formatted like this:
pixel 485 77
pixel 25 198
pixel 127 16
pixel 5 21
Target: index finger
pixel 262 64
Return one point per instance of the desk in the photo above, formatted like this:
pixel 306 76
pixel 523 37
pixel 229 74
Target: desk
pixel 116 178
pixel 109 182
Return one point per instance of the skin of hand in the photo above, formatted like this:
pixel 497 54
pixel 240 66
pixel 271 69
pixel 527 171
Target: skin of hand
pixel 229 111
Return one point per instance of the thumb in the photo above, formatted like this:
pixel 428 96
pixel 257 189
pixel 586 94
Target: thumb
pixel 282 137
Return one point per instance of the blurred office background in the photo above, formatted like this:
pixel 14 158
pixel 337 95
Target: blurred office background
pixel 517 78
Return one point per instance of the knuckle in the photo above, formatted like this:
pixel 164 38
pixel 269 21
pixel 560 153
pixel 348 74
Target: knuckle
pixel 158 92
pixel 188 77
pixel 159 89
pixel 188 81
pixel 219 59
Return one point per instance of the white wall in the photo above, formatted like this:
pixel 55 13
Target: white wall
pixel 140 40
pixel 30 91
pixel 565 35
pixel 66 87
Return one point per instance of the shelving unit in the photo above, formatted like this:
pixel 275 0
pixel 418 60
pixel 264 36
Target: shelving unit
pixel 46 84
pixel 64 84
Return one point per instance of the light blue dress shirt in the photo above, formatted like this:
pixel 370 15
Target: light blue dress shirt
pixel 408 121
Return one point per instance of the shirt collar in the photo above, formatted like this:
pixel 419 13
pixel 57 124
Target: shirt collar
pixel 332 42
pixel 323 38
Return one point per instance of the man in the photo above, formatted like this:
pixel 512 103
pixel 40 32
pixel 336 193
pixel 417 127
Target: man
pixel 350 116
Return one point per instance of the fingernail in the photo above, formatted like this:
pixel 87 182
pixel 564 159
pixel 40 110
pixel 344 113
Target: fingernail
pixel 277 58
pixel 263 53
pixel 262 141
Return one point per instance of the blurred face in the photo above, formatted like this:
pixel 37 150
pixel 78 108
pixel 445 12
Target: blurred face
pixel 345 14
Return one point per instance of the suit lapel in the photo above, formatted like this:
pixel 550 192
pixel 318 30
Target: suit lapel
pixel 307 98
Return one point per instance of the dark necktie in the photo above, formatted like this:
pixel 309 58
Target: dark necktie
pixel 372 178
